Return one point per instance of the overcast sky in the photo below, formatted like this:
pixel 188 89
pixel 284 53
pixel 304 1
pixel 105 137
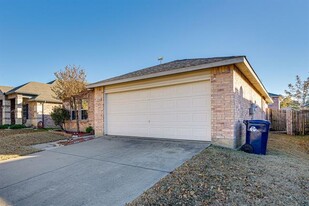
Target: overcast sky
pixel 109 38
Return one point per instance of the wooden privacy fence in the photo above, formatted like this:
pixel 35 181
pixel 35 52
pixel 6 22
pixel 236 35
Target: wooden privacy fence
pixel 277 119
pixel 300 122
pixel 294 122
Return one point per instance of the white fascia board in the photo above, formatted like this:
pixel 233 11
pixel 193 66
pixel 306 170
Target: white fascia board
pixel 248 71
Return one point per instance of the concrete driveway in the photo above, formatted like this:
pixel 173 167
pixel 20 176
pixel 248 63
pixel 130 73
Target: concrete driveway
pixel 104 171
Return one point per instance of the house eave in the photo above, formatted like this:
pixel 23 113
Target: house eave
pixel 240 62
pixel 176 71
pixel 250 74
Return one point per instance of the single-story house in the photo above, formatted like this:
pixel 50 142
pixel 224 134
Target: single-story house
pixel 28 104
pixel 203 99
pixel 277 98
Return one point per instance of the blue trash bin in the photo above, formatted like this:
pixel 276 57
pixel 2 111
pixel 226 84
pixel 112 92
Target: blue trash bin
pixel 256 136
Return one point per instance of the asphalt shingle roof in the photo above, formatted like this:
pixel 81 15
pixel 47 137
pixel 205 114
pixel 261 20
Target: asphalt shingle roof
pixel 5 88
pixel 174 65
pixel 38 91
pixel 274 95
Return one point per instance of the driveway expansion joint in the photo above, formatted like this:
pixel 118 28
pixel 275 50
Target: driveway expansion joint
pixel 113 162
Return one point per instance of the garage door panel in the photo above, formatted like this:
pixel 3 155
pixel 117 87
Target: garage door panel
pixel 127 131
pixel 162 93
pixel 183 117
pixel 183 104
pixel 162 118
pixel 199 89
pixel 184 132
pixel 200 117
pixel 179 118
pixel 129 96
pixel 128 118
pixel 176 112
pixel 183 90
pixel 199 133
pixel 128 107
pixel 201 101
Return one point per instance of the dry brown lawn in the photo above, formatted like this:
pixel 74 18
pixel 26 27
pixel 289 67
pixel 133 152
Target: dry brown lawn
pixel 295 146
pixel 219 176
pixel 15 143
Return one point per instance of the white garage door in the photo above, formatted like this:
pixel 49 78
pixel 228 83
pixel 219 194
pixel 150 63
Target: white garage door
pixel 174 112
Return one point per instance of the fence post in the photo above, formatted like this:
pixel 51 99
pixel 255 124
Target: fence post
pixel 289 122
pixel 268 112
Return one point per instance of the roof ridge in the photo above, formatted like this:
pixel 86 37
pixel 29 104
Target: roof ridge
pixel 215 57
pixel 176 64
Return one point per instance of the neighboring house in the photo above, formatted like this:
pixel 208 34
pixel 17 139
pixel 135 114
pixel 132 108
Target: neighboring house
pixel 203 99
pixel 85 112
pixel 28 104
pixel 277 98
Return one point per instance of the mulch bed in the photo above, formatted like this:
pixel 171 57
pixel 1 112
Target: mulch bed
pixel 70 134
pixel 74 141
pixel 79 134
pixel 219 176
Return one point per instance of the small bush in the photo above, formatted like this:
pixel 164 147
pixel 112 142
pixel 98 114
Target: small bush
pixel 60 115
pixel 89 129
pixel 5 126
pixel 17 126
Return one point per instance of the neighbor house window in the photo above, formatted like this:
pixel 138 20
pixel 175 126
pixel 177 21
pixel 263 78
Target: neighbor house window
pixel 84 109
pixel 25 111
pixel 73 114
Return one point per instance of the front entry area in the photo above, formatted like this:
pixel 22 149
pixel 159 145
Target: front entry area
pixel 181 111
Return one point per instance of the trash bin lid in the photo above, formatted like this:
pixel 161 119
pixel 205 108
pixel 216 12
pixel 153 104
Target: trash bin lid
pixel 257 121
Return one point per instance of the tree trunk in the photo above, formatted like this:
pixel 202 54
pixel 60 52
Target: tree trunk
pixel 76 114
pixel 62 126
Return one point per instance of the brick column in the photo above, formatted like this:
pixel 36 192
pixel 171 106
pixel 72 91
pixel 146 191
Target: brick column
pixel 222 107
pixel 98 111
pixel 6 112
pixel 19 109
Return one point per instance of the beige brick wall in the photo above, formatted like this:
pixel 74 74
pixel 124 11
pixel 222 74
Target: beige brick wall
pixel 245 95
pixel 32 114
pixel 48 121
pixel 99 111
pixel 232 96
pixel 35 113
pixel 222 106
pixel 83 124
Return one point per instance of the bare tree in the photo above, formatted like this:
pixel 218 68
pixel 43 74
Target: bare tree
pixel 289 102
pixel 299 91
pixel 70 83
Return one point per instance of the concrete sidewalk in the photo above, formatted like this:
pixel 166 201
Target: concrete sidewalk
pixel 104 171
